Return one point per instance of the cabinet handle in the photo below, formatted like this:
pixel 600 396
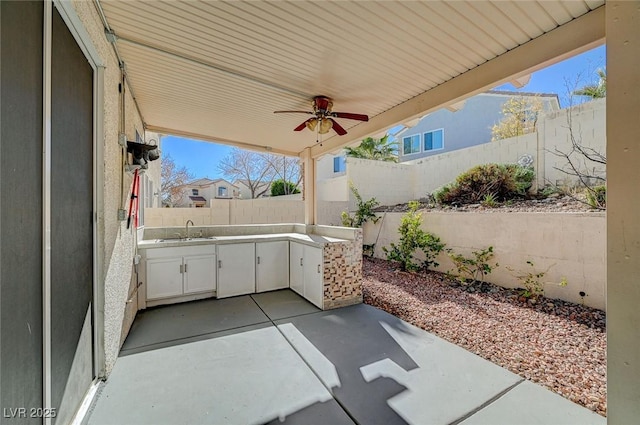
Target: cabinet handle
pixel 318 268
pixel 258 260
pixel 300 261
pixel 181 269
pixel 185 268
pixel 219 264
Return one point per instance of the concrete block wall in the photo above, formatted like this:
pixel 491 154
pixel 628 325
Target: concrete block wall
pixel 588 125
pixel 334 189
pixel 435 171
pixel 229 211
pixel 571 245
pixel 388 182
pixel 392 183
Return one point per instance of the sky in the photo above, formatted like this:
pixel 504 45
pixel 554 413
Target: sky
pixel 201 158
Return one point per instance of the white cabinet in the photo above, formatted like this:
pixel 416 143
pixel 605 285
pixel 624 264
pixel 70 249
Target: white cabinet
pixel 306 272
pixel 174 272
pixel 296 267
pixel 272 265
pixel 164 277
pixel 236 269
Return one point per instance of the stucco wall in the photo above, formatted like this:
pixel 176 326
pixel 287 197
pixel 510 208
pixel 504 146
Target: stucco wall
pixel 230 211
pixel 573 244
pixel 115 242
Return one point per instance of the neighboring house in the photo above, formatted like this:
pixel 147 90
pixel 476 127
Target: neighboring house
pixel 462 125
pixel 263 189
pixel 199 193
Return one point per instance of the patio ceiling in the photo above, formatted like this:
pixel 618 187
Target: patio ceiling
pixel 217 70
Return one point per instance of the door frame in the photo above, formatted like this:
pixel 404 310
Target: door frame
pixel 84 41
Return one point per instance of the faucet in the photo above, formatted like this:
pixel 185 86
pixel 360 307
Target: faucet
pixel 187 227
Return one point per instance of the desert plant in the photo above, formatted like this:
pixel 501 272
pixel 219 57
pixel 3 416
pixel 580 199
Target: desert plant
pixel 363 213
pixel 489 200
pixel 473 269
pixel 412 239
pixel 532 281
pixel 500 181
pixel 597 197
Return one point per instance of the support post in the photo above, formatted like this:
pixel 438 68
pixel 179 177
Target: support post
pixel 623 204
pixel 309 182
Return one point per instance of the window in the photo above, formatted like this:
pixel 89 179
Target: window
pixel 222 192
pixel 411 144
pixel 194 192
pixel 339 164
pixel 434 140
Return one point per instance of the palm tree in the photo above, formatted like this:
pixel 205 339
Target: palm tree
pixel 595 91
pixel 376 149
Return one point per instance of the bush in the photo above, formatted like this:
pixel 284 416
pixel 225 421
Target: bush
pixel 597 197
pixel 364 212
pixel 281 187
pixel 413 238
pixel 501 182
pixel 473 269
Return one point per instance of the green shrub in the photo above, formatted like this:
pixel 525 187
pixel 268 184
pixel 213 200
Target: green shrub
pixel 532 281
pixel 413 238
pixel 281 187
pixel 597 197
pixel 473 269
pixel 500 182
pixel 364 212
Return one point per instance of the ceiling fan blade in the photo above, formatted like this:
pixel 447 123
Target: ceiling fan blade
pixel 350 116
pixel 303 125
pixel 292 112
pixel 338 128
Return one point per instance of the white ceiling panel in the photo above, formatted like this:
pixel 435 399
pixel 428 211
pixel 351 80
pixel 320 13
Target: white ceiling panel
pixel 218 69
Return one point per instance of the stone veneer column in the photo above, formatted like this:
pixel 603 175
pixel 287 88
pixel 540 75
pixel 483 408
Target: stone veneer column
pixel 623 211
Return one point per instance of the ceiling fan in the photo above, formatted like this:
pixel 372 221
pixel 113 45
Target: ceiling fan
pixel 322 119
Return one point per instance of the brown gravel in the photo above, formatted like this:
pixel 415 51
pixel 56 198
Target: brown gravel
pixel 556 203
pixel 554 343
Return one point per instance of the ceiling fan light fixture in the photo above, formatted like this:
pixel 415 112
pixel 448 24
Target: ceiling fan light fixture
pixel 325 125
pixel 311 124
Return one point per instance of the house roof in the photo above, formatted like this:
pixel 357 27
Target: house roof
pixel 205 182
pixel 217 70
pixel 197 198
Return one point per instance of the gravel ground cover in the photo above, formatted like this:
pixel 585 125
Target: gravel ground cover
pixel 555 203
pixel 553 343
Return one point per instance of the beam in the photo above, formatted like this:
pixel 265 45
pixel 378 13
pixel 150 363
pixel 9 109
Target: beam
pixel 576 36
pixel 205 138
pixel 309 186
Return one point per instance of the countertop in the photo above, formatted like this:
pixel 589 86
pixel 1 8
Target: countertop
pixel 307 239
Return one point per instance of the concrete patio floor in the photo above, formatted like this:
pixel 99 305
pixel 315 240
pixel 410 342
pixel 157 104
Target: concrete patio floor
pixel 275 358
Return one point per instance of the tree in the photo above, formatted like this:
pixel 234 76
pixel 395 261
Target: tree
pixel 582 162
pixel 251 168
pixel 287 169
pixel 281 187
pixel 376 149
pixel 172 179
pixel 597 90
pixel 520 116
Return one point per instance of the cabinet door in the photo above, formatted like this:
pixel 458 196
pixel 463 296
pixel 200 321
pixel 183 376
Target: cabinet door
pixel 199 273
pixel 296 261
pixel 164 277
pixel 313 285
pixel 236 269
pixel 272 265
